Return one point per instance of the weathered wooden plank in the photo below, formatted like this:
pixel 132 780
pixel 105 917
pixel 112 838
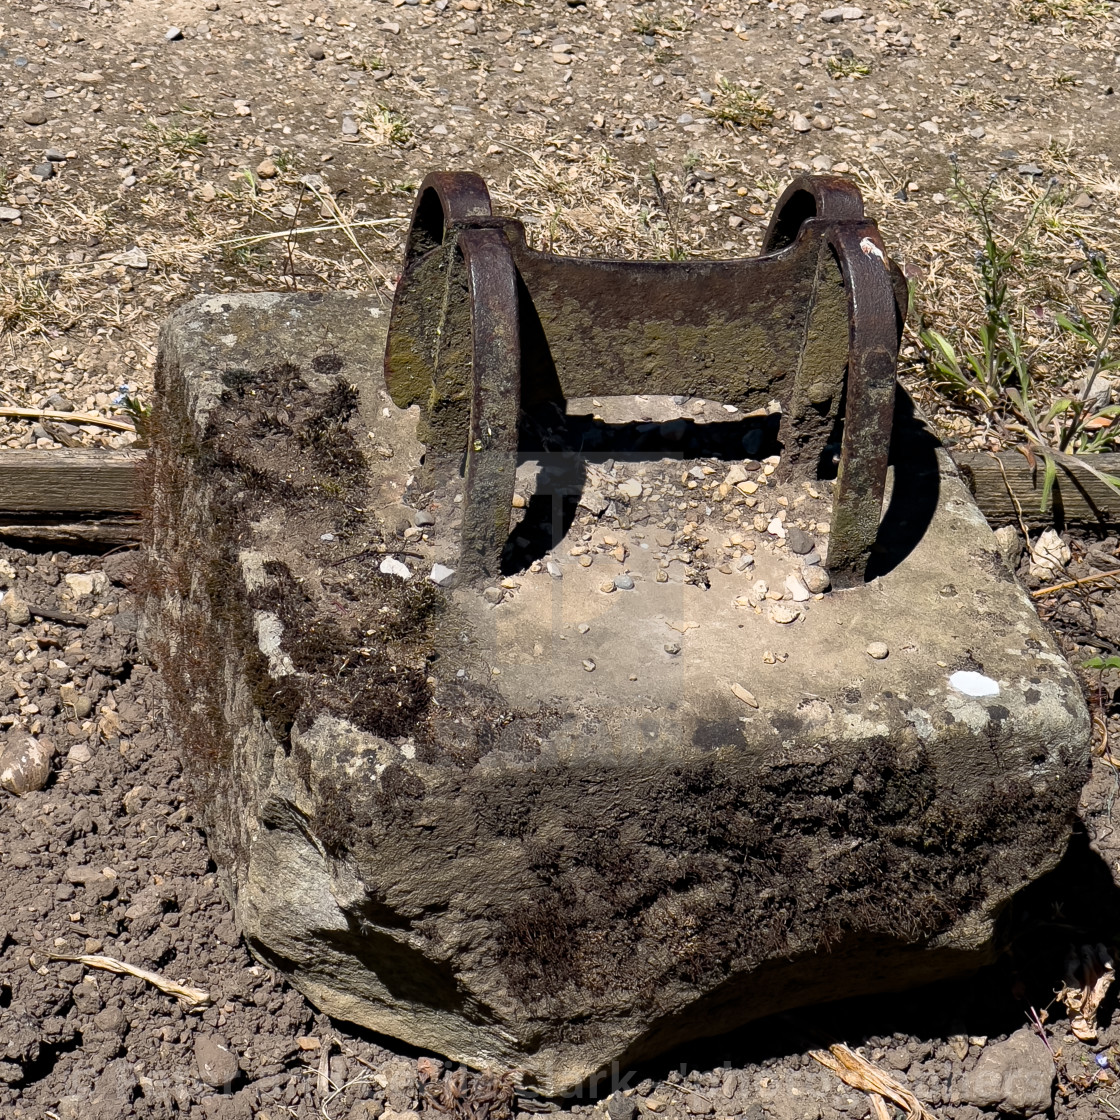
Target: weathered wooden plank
pixel 74 480
pixel 1079 498
pixel 101 530
pixel 87 481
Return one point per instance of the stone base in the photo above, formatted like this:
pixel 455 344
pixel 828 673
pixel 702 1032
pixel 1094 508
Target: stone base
pixel 543 829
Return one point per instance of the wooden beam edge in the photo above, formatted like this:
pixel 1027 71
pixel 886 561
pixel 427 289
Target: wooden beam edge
pixel 86 484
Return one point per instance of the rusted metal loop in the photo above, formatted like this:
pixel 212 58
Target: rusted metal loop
pixel 829 197
pixel 495 402
pixel 445 198
pixel 874 332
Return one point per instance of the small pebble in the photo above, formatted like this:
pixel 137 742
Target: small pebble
pixel 799 541
pixel 816 579
pixel 554 569
pixel 624 582
pixel 492 595
pixel 589 665
pixel 582 627
pixel 673 647
pixel 878 650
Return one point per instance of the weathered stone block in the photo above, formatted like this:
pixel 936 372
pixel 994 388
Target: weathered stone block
pixel 551 826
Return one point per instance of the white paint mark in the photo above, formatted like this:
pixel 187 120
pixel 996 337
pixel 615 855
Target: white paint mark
pixel 973 684
pixel 269 632
pixel 870 249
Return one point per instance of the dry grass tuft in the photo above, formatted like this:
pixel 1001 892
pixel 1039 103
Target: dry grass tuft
pixel 1047 11
pixel 28 305
pixel 858 1072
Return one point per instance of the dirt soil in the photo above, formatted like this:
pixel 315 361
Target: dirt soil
pixel 107 860
pixel 151 151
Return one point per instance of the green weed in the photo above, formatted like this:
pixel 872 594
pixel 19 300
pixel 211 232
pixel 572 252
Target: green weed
pixel 735 106
pixel 993 369
pixel 370 62
pixel 845 66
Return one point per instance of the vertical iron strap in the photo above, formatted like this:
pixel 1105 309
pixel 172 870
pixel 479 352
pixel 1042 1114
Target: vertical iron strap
pixel 495 402
pixel 873 339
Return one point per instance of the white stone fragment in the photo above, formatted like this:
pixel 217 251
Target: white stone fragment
pixel 799 593
pixel 743 694
pixel 441 574
pixel 1049 554
pixel 82 584
pixel 133 258
pixel 391 566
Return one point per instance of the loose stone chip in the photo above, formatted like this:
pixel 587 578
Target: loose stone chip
pixel 742 694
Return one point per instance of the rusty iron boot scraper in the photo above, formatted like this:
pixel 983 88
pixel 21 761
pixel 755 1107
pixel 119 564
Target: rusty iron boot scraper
pixel 483 326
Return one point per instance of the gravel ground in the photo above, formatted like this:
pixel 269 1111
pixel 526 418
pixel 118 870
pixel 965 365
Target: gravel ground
pixel 107 860
pixel 150 151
